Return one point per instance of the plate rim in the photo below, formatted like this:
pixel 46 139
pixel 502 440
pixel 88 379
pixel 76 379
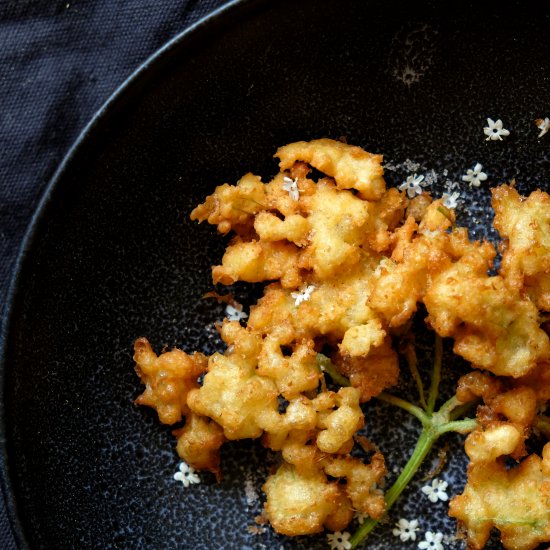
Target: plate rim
pixel 228 14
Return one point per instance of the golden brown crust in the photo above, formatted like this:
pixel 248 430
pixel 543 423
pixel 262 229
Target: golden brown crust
pixel 372 374
pixel 515 501
pixel 349 262
pixel 495 328
pixel 168 378
pixel 199 442
pixel 350 166
pixel 525 223
pixel 300 504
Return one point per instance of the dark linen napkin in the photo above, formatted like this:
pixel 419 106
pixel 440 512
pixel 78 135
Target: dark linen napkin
pixel 59 62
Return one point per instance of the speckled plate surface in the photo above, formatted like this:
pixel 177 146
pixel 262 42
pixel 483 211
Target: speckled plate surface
pixel 112 254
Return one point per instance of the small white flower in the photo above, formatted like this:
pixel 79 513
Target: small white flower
pixel 450 201
pixel 291 185
pixel 339 541
pixel 413 185
pixel 432 541
pixel 543 124
pixel 186 475
pixel 406 530
pixel 235 313
pixel 436 491
pixel 360 517
pixel 475 177
pixel 385 264
pixel 303 295
pixel 494 130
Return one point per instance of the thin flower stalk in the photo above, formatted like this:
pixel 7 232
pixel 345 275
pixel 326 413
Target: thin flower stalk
pixel 405 405
pixel 436 375
pixel 412 362
pixel 434 425
pixel 327 366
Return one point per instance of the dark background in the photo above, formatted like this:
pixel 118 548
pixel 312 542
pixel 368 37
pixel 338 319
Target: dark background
pixel 59 62
pixel 62 61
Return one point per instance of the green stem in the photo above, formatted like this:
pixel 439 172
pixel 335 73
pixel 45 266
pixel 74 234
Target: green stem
pixel 445 211
pixel 449 407
pixel 460 426
pixel 402 404
pixel 460 410
pixel 423 446
pixel 327 366
pixel 436 375
pixel 434 425
pixel 412 362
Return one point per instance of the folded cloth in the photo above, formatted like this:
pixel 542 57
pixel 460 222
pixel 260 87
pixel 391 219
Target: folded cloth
pixel 61 60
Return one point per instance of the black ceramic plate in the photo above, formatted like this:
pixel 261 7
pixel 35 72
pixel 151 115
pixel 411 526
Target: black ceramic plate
pixel 112 254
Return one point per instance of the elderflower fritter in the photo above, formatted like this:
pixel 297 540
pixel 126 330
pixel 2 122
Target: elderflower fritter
pixel 358 259
pixel 475 177
pixel 513 500
pixel 495 130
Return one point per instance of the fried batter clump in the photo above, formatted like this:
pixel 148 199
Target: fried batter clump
pixel 299 503
pixel 350 166
pixel 515 501
pixel 319 244
pixel 199 442
pixel 346 263
pixel 509 409
pixel 169 378
pixel 525 223
pixel 495 328
pixel 293 507
pixel 370 374
pixel 289 506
